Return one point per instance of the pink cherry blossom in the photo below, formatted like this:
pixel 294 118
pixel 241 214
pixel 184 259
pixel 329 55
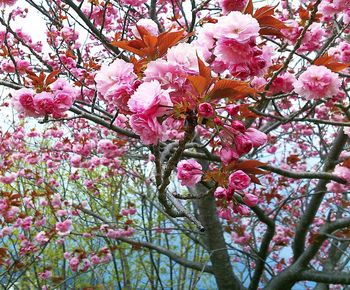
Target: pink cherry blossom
pixel 257 137
pixel 23 101
pixel 239 180
pixel 227 155
pixel 64 228
pixel 220 192
pixel 9 177
pixel 148 128
pixel 150 99
pixel 45 275
pixel 250 199
pixel 232 5
pixel 44 103
pixel 41 238
pixel 189 172
pixel 206 110
pixel 7 2
pixel 243 144
pixel 317 82
pixel 115 82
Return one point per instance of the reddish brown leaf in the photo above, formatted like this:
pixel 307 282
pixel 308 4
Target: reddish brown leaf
pixel 271 31
pixel 250 164
pixel 199 83
pixel 249 8
pixel 255 179
pixel 293 159
pixel 270 21
pixel 246 112
pixel 204 71
pixel 51 78
pixel 231 89
pixel 329 62
pixel 264 11
pixel 169 39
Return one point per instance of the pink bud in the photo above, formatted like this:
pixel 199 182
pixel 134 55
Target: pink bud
pixel 239 180
pixel 250 199
pixel 238 125
pixel 220 192
pixel 232 110
pixel 227 155
pixel 206 110
pixel 257 137
pixel 225 213
pixel 243 144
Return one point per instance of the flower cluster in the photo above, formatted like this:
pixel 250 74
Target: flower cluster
pixel 56 101
pixel 243 141
pixel 317 82
pixel 230 44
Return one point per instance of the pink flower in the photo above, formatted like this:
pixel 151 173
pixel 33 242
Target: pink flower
pixel 44 103
pixel 74 263
pixel 183 55
pixel 220 192
pixel 63 101
pixel 189 172
pixel 257 137
pixel 250 199
pixel 232 5
pixel 243 144
pixel 7 2
pixel 240 27
pixel 41 238
pixel 317 82
pixel 313 38
pixel 227 155
pixel 238 180
pixel 225 213
pixel 23 101
pixel 206 110
pixel 148 128
pixel 134 2
pixel 64 228
pixel 150 99
pixel 283 83
pixel 8 177
pixel 45 275
pixel 115 82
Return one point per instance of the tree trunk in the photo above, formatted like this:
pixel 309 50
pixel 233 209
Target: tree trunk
pixel 214 238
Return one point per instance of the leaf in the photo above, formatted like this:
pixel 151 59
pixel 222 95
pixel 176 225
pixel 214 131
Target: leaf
pixel 169 39
pixel 264 11
pixel 51 78
pixel 199 83
pixel 250 166
pixel 330 62
pixel 204 70
pixel 249 8
pixel 269 25
pixel 293 159
pixel 231 89
pixel 270 21
pixel 255 179
pixel 246 112
pixel 150 46
pixel 124 44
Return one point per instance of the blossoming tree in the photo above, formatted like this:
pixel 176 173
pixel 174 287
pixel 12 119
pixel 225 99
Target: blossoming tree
pixel 203 142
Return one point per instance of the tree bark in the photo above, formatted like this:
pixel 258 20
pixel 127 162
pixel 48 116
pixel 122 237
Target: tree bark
pixel 214 238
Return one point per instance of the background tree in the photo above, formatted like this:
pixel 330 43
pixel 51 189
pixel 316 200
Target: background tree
pixel 175 144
